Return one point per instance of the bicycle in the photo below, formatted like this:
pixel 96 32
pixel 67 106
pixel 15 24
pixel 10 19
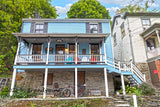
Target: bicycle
pixel 66 92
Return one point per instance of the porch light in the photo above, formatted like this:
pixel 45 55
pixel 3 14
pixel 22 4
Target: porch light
pixel 59 40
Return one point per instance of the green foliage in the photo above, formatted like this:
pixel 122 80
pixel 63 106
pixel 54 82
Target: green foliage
pixel 146 89
pixel 32 104
pixel 132 90
pixel 88 9
pixel 11 14
pixel 21 92
pixel 4 92
pixel 133 9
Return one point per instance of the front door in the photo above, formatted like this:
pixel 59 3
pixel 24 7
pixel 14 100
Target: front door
pixel 81 77
pixel 36 52
pixel 60 51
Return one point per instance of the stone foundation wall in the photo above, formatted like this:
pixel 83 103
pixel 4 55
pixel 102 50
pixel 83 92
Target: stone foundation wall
pixel 143 67
pixel 94 80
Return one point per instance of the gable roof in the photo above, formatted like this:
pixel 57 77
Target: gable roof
pixel 138 14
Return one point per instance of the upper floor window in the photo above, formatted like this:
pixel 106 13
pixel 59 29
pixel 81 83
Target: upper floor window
pixel 123 30
pixel 94 49
pixel 115 40
pixel 150 44
pixel 93 28
pixel 39 28
pixel 146 23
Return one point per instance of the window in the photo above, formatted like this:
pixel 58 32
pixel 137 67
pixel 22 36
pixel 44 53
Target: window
pixel 123 30
pixel 37 48
pixel 116 22
pixel 93 28
pixel 50 50
pixel 150 44
pixel 39 28
pixel 71 49
pixel 115 40
pixel 94 49
pixel 146 23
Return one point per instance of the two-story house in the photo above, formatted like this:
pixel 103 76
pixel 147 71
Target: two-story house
pixel 68 51
pixel 129 44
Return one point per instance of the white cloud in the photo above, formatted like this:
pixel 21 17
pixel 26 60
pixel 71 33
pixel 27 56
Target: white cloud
pixel 153 5
pixel 63 10
pixel 113 9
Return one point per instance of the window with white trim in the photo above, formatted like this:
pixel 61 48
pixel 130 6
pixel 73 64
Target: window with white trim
pixel 93 28
pixel 146 23
pixel 39 28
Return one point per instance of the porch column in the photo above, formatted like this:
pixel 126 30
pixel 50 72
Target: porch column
pixel 106 82
pixel 76 88
pixel 123 85
pixel 76 51
pixel 157 32
pixel 19 43
pixel 15 70
pixel 46 71
pixel 13 81
pixel 105 70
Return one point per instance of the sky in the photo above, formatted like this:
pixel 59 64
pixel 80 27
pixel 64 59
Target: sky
pixel 63 6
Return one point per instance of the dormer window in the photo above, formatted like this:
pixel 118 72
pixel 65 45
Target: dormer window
pixel 93 28
pixel 39 28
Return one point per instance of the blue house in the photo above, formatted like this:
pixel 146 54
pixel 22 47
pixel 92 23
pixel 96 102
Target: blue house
pixel 69 51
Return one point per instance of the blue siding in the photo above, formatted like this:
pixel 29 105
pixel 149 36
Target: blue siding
pixel 26 27
pixel 66 28
pixel 109 52
pixel 84 46
pixel 23 48
pixel 105 28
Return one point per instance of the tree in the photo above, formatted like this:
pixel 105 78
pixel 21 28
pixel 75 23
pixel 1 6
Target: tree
pixel 133 9
pixel 12 12
pixel 88 9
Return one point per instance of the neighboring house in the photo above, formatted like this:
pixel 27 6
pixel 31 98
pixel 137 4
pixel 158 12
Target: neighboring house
pixel 129 45
pixel 68 51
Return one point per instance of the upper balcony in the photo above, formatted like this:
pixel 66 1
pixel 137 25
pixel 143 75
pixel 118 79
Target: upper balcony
pixel 152 41
pixel 59 50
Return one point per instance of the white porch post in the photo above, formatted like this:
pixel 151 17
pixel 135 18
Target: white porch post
pixel 105 70
pixel 76 88
pixel 106 82
pixel 13 81
pixel 76 51
pixel 15 70
pixel 123 85
pixel 157 32
pixel 46 71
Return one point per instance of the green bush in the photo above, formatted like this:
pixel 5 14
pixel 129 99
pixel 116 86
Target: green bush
pixel 4 92
pixel 146 89
pixel 21 92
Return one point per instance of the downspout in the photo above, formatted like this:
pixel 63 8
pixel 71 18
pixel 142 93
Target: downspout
pixel 130 37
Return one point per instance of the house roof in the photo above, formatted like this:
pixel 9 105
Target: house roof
pixel 138 14
pixel 64 20
pixel 151 29
pixel 61 35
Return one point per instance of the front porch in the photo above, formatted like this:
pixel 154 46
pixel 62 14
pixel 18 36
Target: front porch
pixel 93 81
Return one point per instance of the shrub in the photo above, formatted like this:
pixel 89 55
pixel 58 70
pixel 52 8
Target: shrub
pixel 4 92
pixel 146 89
pixel 21 92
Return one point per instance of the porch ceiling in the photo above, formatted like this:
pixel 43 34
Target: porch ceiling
pixel 63 40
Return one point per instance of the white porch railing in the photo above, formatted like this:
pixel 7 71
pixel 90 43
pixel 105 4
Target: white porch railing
pixel 59 58
pixel 31 58
pixel 153 53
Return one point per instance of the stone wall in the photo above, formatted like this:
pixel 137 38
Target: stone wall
pixel 94 80
pixel 143 67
